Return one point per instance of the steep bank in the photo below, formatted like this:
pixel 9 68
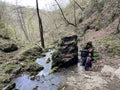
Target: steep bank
pixel 102 28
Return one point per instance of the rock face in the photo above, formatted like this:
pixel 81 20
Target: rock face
pixel 66 53
pixel 8 47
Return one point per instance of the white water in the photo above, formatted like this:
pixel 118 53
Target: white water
pixel 47 66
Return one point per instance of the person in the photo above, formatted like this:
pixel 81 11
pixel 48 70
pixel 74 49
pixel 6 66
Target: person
pixel 89 59
pixel 87 55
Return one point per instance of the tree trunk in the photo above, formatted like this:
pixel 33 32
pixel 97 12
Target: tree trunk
pixel 40 25
pixel 21 21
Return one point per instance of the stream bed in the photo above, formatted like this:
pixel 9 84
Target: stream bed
pixel 46 81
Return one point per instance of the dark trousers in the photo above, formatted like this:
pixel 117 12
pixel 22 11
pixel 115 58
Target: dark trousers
pixel 88 64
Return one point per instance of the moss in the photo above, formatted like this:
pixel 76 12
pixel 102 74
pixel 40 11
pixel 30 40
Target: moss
pixel 111 44
pixel 115 50
pixel 43 54
pixel 53 70
pixel 10 86
pixel 34 68
pixel 4 79
pixel 10 67
pixel 96 55
pixel 31 54
pixel 48 60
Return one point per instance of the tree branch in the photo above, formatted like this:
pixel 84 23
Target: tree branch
pixel 64 15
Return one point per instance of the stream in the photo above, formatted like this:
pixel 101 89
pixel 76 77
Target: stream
pixel 47 81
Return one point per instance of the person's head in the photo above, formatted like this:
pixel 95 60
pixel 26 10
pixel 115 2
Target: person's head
pixel 88 45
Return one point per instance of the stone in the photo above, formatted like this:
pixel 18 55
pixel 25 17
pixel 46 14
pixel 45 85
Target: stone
pixel 10 47
pixel 66 53
pixel 48 60
pixel 107 70
pixel 34 68
pixel 32 78
pixel 117 73
pixel 10 86
pixel 85 82
pixel 31 54
pixel 37 78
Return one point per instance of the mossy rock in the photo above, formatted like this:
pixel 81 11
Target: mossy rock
pixel 34 68
pixel 31 54
pixel 48 60
pixel 53 70
pixel 8 47
pixel 43 54
pixel 66 53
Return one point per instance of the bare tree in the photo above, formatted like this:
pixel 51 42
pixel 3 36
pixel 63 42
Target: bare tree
pixel 22 22
pixel 40 25
pixel 64 15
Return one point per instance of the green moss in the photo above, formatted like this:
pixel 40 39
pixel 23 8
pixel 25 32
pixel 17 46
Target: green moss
pixel 48 60
pixel 34 68
pixel 10 67
pixel 31 54
pixel 2 78
pixel 43 54
pixel 53 70
pixel 115 50
pixel 96 55
pixel 111 44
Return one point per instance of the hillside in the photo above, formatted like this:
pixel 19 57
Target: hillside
pixel 101 25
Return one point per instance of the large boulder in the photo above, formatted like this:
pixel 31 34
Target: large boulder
pixel 8 47
pixel 66 53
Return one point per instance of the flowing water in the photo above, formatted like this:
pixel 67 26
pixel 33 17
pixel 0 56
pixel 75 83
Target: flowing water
pixel 46 81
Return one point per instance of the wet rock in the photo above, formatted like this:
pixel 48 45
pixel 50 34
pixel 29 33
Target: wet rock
pixel 10 86
pixel 66 53
pixel 37 78
pixel 48 60
pixel 34 68
pixel 32 78
pixel 36 88
pixel 10 47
